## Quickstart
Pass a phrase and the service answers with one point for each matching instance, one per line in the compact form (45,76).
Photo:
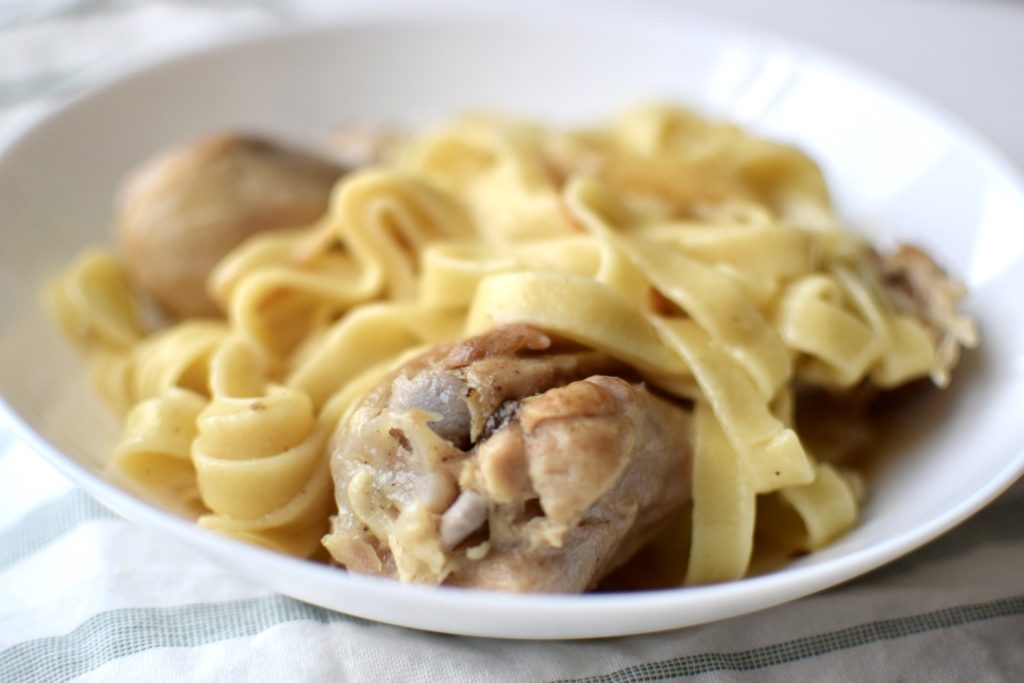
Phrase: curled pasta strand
(578,308)
(154,450)
(278,287)
(452,270)
(690,161)
(260,456)
(302,249)
(908,351)
(912,353)
(276,309)
(709,296)
(95,304)
(827,506)
(176,357)
(386,218)
(498,169)
(813,319)
(772,453)
(765,251)
(289,288)
(364,338)
(724,508)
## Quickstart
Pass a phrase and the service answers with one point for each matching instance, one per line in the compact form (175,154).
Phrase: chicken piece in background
(183,210)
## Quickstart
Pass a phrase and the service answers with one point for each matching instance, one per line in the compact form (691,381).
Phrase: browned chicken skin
(186,208)
(510,461)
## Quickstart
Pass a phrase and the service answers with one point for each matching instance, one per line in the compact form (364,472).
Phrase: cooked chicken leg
(510,461)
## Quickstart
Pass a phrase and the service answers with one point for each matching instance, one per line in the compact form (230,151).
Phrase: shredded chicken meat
(921,288)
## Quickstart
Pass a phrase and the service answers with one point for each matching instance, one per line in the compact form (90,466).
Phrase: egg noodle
(706,258)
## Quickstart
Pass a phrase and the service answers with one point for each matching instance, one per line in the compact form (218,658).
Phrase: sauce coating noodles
(706,258)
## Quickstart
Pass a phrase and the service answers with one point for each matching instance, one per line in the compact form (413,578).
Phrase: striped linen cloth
(86,596)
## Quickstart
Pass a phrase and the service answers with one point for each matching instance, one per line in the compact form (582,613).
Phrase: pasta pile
(706,258)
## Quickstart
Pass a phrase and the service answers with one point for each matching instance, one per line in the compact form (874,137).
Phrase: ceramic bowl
(900,170)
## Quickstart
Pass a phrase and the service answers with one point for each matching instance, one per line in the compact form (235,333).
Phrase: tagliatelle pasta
(705,258)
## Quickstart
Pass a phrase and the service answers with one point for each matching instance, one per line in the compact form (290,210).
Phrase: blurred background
(967,55)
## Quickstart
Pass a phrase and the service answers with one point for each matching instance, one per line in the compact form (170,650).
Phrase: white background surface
(967,55)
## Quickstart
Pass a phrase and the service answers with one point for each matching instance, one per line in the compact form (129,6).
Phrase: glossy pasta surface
(707,259)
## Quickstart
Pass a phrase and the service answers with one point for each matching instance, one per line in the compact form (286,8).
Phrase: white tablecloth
(85,595)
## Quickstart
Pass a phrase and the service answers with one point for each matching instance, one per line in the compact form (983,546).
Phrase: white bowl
(899,168)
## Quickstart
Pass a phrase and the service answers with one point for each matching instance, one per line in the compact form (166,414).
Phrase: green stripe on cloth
(17,15)
(811,646)
(45,524)
(118,633)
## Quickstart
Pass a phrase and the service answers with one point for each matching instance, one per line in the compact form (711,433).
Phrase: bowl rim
(764,590)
